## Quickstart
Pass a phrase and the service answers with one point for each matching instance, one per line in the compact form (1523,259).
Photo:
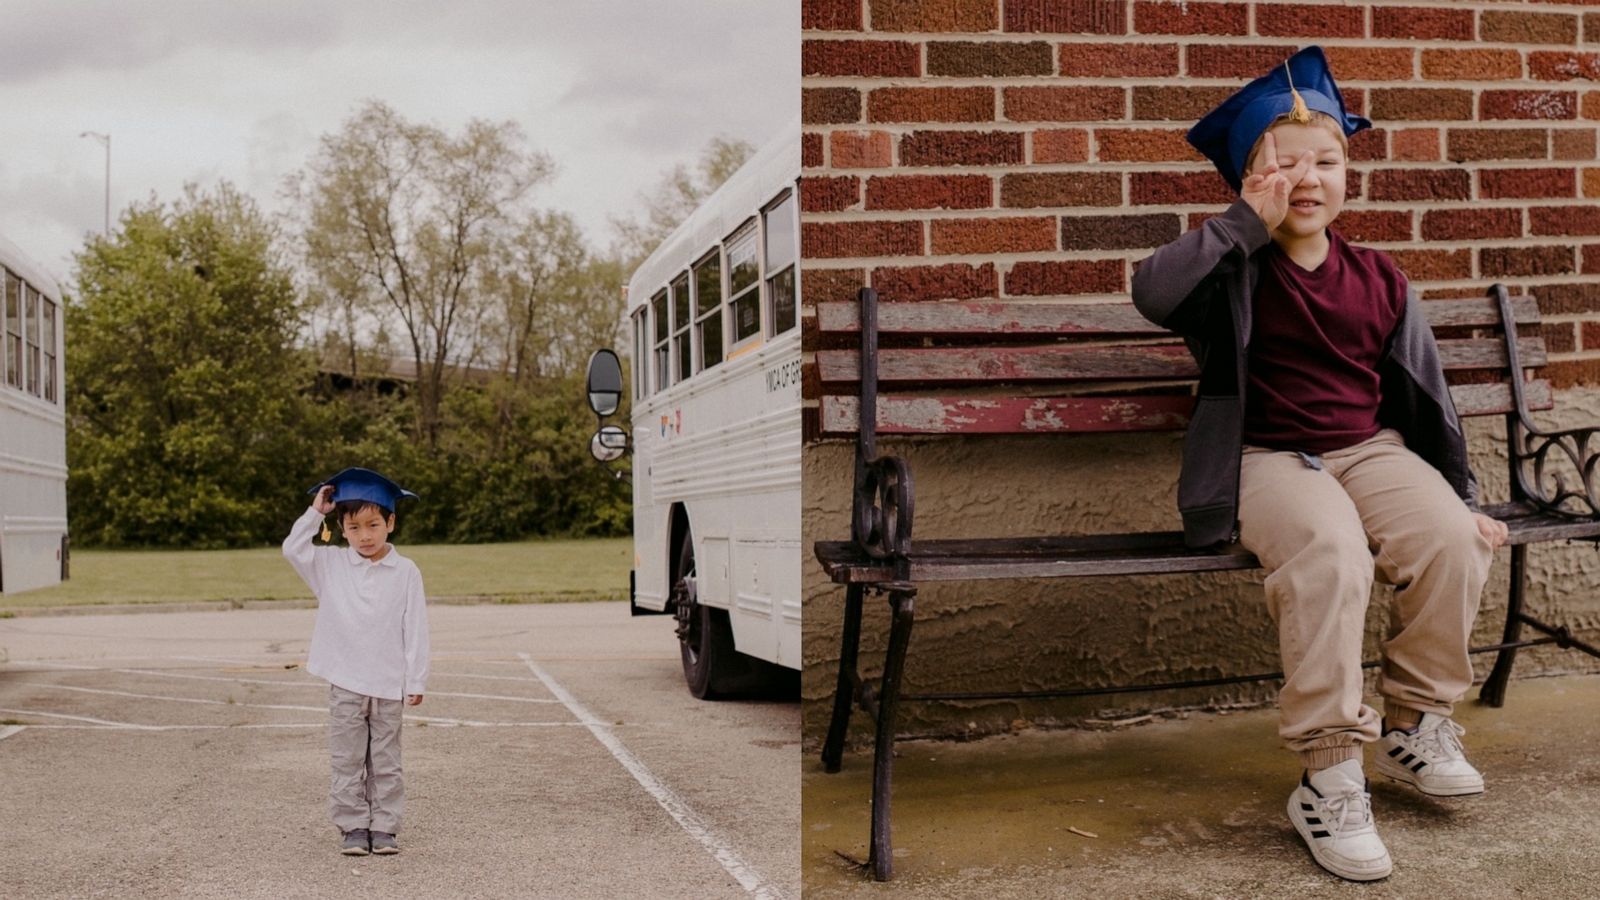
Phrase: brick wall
(965,149)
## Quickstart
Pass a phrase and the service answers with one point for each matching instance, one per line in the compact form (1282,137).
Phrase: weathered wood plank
(1074,362)
(1489,399)
(1057,317)
(1010,415)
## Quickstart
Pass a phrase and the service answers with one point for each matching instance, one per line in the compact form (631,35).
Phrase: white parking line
(51,715)
(8,730)
(431,720)
(132,727)
(319,684)
(687,819)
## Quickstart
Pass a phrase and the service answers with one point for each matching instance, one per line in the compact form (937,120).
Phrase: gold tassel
(1299,113)
(327,533)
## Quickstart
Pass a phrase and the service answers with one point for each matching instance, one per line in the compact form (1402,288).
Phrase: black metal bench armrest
(880,521)
(1544,461)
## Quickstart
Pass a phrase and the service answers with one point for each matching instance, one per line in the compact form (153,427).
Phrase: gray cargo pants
(364,742)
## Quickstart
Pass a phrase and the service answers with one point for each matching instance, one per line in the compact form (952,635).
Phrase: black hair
(347,508)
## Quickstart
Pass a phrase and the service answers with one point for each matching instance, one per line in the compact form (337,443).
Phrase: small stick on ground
(1087,834)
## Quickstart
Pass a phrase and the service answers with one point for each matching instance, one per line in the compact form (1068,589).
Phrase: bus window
(31,329)
(680,326)
(641,353)
(708,309)
(658,309)
(49,347)
(781,248)
(744,283)
(13,330)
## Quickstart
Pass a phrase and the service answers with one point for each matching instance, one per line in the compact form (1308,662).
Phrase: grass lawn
(530,571)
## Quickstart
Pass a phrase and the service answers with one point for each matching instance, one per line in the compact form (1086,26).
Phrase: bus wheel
(705,636)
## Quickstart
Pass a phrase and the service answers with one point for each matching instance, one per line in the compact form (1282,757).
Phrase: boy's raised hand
(1267,191)
(323,501)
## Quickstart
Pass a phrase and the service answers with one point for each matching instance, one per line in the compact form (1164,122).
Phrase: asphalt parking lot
(557,754)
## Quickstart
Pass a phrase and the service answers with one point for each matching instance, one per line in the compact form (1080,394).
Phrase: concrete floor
(1194,807)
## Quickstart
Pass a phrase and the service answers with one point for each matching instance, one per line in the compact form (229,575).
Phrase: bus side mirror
(608,443)
(605,383)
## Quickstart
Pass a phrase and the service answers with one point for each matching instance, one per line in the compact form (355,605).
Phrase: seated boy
(370,643)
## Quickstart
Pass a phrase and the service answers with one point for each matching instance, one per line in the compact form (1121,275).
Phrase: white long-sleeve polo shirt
(371,635)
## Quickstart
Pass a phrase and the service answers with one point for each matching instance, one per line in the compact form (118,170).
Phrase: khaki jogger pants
(364,742)
(1322,534)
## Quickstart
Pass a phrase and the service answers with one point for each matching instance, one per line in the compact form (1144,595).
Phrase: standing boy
(370,644)
(1325,441)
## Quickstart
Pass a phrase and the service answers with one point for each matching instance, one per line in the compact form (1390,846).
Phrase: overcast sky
(615,91)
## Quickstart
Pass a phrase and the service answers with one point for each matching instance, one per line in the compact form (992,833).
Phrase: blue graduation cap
(366,485)
(1302,83)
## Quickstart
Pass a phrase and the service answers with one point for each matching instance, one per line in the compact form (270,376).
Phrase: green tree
(187,420)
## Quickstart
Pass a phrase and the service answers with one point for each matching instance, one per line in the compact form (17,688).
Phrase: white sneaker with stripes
(1332,811)
(1430,758)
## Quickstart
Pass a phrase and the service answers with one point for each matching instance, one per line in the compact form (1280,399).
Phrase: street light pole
(104,139)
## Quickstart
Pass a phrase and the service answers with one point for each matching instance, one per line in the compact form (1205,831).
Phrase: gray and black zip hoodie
(1201,286)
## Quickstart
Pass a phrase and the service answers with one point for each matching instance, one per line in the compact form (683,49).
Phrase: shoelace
(1443,741)
(1341,808)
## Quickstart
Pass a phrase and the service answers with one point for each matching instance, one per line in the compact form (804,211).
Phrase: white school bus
(713,316)
(33,443)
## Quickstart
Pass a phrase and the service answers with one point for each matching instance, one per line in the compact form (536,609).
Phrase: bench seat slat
(1114,554)
(1059,317)
(1068,415)
(1068,362)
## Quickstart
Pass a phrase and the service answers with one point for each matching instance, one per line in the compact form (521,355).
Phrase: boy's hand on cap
(323,501)
(1267,191)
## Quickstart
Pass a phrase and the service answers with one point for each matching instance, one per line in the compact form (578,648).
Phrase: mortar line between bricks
(687,819)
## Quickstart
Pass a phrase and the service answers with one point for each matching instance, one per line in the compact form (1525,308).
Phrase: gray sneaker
(355,843)
(383,842)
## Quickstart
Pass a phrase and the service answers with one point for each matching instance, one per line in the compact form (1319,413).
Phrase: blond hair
(1300,115)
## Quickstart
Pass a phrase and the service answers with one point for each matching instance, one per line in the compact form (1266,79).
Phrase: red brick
(1118,60)
(1065,104)
(931,104)
(1591,259)
(1299,20)
(1504,27)
(1423,104)
(1415,145)
(1591,104)
(990,59)
(1591,28)
(1369,146)
(1433,265)
(880,59)
(1528,105)
(811,150)
(1591,183)
(829,194)
(1032,278)
(1475,144)
(830,15)
(1181,104)
(1591,335)
(1144,145)
(1470,224)
(1576,144)
(1375,225)
(1164,188)
(1121,232)
(1501,184)
(1524,262)
(1067,16)
(955,281)
(1371,63)
(930,192)
(1244,61)
(1564,220)
(1572,373)
(1471,65)
(1550,65)
(1018,235)
(1166,17)
(1559,337)
(829,285)
(1420,184)
(830,106)
(831,240)
(1568,299)
(861,149)
(1068,145)
(935,15)
(961,148)
(1032,190)
(1422,23)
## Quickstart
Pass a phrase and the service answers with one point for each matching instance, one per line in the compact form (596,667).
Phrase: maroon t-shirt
(1314,347)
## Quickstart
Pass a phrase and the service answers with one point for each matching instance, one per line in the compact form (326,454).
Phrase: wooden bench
(931,368)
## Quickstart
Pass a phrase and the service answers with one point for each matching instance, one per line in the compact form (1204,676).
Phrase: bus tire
(711,666)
